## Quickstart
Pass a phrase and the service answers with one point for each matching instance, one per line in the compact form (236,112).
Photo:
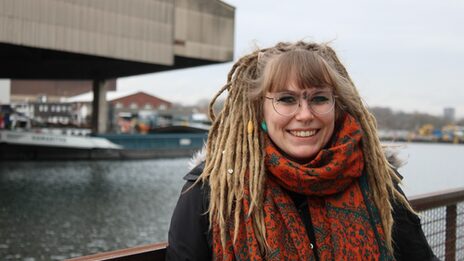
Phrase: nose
(304,112)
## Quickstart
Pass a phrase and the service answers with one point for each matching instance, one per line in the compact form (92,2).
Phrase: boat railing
(442,216)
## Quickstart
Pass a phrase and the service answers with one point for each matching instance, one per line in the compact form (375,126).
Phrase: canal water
(57,210)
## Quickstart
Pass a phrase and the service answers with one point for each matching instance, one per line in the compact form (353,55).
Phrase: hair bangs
(301,68)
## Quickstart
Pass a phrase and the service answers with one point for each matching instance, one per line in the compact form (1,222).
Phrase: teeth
(303,133)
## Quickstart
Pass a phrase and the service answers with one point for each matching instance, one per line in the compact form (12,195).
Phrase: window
(147,106)
(134,105)
(118,105)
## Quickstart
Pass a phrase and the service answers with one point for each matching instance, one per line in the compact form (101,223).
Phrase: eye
(320,98)
(287,99)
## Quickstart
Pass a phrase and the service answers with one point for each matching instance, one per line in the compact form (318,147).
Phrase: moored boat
(26,145)
(167,142)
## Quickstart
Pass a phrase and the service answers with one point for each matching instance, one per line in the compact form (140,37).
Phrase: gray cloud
(408,55)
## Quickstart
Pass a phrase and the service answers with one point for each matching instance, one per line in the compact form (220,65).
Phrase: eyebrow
(305,91)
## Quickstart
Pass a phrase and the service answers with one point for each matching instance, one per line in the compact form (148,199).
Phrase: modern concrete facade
(107,39)
(87,39)
(204,30)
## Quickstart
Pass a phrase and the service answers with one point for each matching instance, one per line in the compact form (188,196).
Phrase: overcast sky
(407,55)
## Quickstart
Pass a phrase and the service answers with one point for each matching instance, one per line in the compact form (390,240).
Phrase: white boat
(52,144)
(26,145)
(54,140)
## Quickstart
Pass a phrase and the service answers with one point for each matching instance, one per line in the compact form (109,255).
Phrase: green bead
(264,126)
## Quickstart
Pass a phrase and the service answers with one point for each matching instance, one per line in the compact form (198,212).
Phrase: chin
(303,157)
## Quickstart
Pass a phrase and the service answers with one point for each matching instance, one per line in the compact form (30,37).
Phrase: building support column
(5,91)
(99,107)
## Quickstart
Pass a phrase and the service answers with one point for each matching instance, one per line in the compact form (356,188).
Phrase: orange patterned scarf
(344,218)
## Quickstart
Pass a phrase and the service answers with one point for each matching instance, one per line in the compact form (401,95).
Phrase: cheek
(275,122)
(267,111)
(330,127)
(270,116)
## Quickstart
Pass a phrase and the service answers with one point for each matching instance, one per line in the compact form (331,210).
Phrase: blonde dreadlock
(235,143)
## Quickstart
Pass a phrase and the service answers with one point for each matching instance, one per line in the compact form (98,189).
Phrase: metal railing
(442,215)
(141,253)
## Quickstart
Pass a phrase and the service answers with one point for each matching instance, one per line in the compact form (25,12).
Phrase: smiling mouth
(303,134)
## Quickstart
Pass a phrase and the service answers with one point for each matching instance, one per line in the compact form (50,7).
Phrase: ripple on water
(69,209)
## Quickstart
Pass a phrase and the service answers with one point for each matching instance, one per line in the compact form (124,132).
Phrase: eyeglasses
(287,103)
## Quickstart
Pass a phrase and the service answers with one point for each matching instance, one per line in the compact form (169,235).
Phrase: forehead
(298,81)
(298,89)
(296,71)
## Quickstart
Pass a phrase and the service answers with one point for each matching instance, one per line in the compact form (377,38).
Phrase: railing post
(450,245)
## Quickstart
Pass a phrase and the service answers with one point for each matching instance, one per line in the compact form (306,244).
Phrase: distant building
(138,112)
(54,113)
(139,101)
(44,101)
(48,113)
(449,114)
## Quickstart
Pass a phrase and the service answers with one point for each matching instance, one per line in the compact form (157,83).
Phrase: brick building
(139,101)
(137,112)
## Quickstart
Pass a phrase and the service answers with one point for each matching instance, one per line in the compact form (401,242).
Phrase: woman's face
(301,135)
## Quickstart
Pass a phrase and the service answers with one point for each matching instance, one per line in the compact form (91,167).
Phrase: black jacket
(190,239)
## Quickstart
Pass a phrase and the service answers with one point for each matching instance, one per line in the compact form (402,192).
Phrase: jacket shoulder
(195,172)
(189,236)
(409,240)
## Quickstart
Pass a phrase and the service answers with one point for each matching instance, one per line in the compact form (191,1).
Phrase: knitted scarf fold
(345,220)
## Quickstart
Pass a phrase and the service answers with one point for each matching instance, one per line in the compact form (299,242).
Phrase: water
(432,167)
(57,210)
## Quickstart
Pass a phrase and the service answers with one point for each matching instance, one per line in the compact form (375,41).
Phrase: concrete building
(107,39)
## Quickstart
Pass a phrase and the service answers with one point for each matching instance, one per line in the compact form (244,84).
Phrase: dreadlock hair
(236,145)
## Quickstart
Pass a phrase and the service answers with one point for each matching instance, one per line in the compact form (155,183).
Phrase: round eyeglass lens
(288,104)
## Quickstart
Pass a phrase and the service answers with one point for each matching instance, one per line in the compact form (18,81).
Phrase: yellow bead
(250,127)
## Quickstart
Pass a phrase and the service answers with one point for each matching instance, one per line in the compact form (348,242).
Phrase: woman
(294,170)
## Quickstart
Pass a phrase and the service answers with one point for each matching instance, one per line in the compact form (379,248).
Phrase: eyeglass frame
(273,100)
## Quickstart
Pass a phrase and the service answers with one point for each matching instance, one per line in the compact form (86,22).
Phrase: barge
(168,142)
